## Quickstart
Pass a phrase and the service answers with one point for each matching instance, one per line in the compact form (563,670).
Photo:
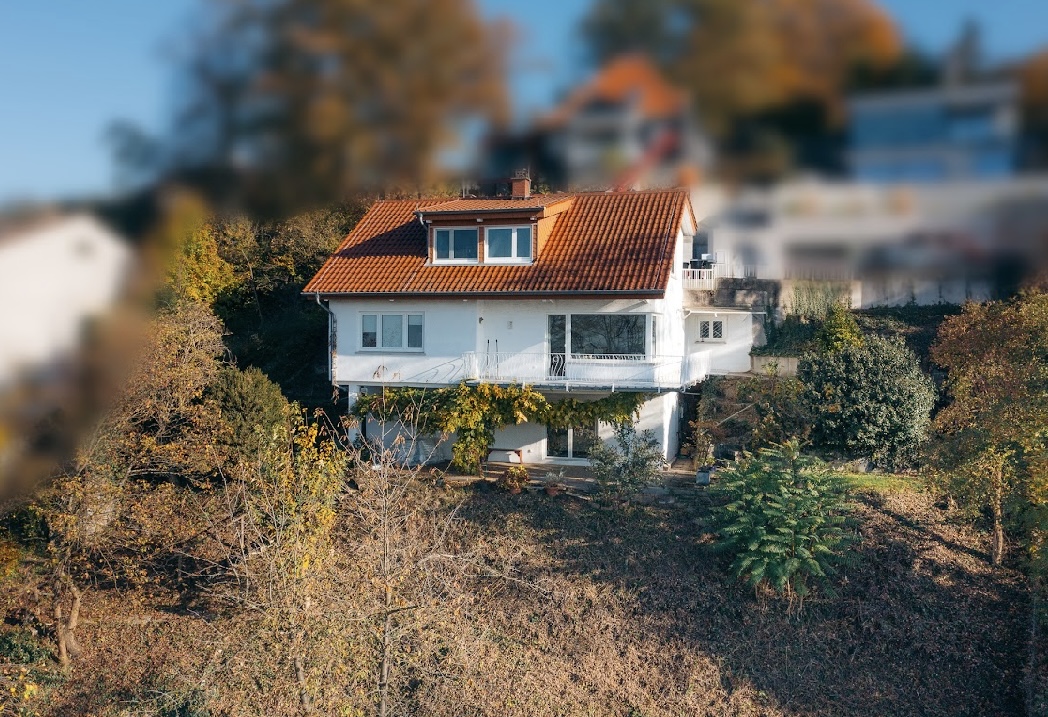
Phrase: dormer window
(507,245)
(456,245)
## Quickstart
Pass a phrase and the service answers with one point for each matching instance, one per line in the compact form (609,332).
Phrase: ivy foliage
(785,521)
(475,412)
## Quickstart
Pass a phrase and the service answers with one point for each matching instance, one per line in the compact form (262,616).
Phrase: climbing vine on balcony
(476,412)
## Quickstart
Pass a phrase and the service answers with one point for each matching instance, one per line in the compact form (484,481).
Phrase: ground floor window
(574,442)
(711,330)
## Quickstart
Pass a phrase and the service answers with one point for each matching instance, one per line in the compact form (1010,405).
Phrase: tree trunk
(997,547)
(303,693)
(65,628)
(383,678)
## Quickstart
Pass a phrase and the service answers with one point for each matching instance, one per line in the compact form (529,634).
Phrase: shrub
(784,522)
(839,331)
(779,405)
(868,401)
(635,462)
(515,478)
(22,647)
(248,400)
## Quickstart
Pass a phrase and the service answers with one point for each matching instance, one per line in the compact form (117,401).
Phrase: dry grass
(612,611)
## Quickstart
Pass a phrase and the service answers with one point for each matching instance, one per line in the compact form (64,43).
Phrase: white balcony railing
(613,371)
(706,279)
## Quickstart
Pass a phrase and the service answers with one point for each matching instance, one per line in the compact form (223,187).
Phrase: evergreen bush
(784,522)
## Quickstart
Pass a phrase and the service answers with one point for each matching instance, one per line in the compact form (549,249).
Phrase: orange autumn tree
(991,438)
(743,58)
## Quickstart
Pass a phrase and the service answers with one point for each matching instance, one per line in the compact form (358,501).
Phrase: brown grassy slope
(622,612)
(641,621)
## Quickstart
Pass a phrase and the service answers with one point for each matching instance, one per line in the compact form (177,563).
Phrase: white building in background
(892,244)
(576,295)
(57,273)
(966,128)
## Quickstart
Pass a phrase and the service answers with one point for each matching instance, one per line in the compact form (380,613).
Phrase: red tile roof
(603,243)
(626,76)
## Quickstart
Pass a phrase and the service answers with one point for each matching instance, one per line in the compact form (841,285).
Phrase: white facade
(54,278)
(445,342)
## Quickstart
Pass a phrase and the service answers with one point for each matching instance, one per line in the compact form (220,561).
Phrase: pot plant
(514,479)
(553,483)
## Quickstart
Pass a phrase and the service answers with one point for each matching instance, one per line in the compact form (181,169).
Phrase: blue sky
(70,67)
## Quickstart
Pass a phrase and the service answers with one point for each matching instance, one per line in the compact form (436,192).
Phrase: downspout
(332,325)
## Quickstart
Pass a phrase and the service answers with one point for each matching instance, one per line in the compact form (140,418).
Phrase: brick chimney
(520,187)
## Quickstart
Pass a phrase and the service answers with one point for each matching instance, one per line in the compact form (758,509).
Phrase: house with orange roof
(577,294)
(626,128)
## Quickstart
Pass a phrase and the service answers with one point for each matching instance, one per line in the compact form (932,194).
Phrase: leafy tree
(869,400)
(186,236)
(785,521)
(991,438)
(633,463)
(741,59)
(298,102)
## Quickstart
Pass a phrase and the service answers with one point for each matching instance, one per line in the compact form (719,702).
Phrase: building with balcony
(573,294)
(966,127)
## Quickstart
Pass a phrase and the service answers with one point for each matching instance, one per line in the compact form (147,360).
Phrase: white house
(56,274)
(573,294)
(892,244)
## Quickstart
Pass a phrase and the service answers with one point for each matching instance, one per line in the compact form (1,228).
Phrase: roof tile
(620,243)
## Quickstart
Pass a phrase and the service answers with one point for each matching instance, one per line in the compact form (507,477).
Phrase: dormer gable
(490,231)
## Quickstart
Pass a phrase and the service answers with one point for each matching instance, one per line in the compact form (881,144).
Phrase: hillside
(584,609)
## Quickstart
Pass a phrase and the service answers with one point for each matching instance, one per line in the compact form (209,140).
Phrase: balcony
(706,279)
(632,371)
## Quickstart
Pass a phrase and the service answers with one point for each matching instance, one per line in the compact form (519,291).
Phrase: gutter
(649,294)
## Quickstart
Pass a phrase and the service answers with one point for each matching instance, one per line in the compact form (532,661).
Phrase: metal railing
(604,370)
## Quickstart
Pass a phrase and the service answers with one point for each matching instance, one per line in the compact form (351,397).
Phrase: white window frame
(650,339)
(515,258)
(711,338)
(451,245)
(571,444)
(379,348)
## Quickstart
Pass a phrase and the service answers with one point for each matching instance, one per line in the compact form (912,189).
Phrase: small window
(393,332)
(711,330)
(455,245)
(507,244)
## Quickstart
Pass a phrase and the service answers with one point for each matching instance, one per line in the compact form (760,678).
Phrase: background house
(625,128)
(57,273)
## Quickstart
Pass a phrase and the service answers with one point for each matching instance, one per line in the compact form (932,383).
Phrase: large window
(392,332)
(459,245)
(574,442)
(607,334)
(507,245)
(586,336)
